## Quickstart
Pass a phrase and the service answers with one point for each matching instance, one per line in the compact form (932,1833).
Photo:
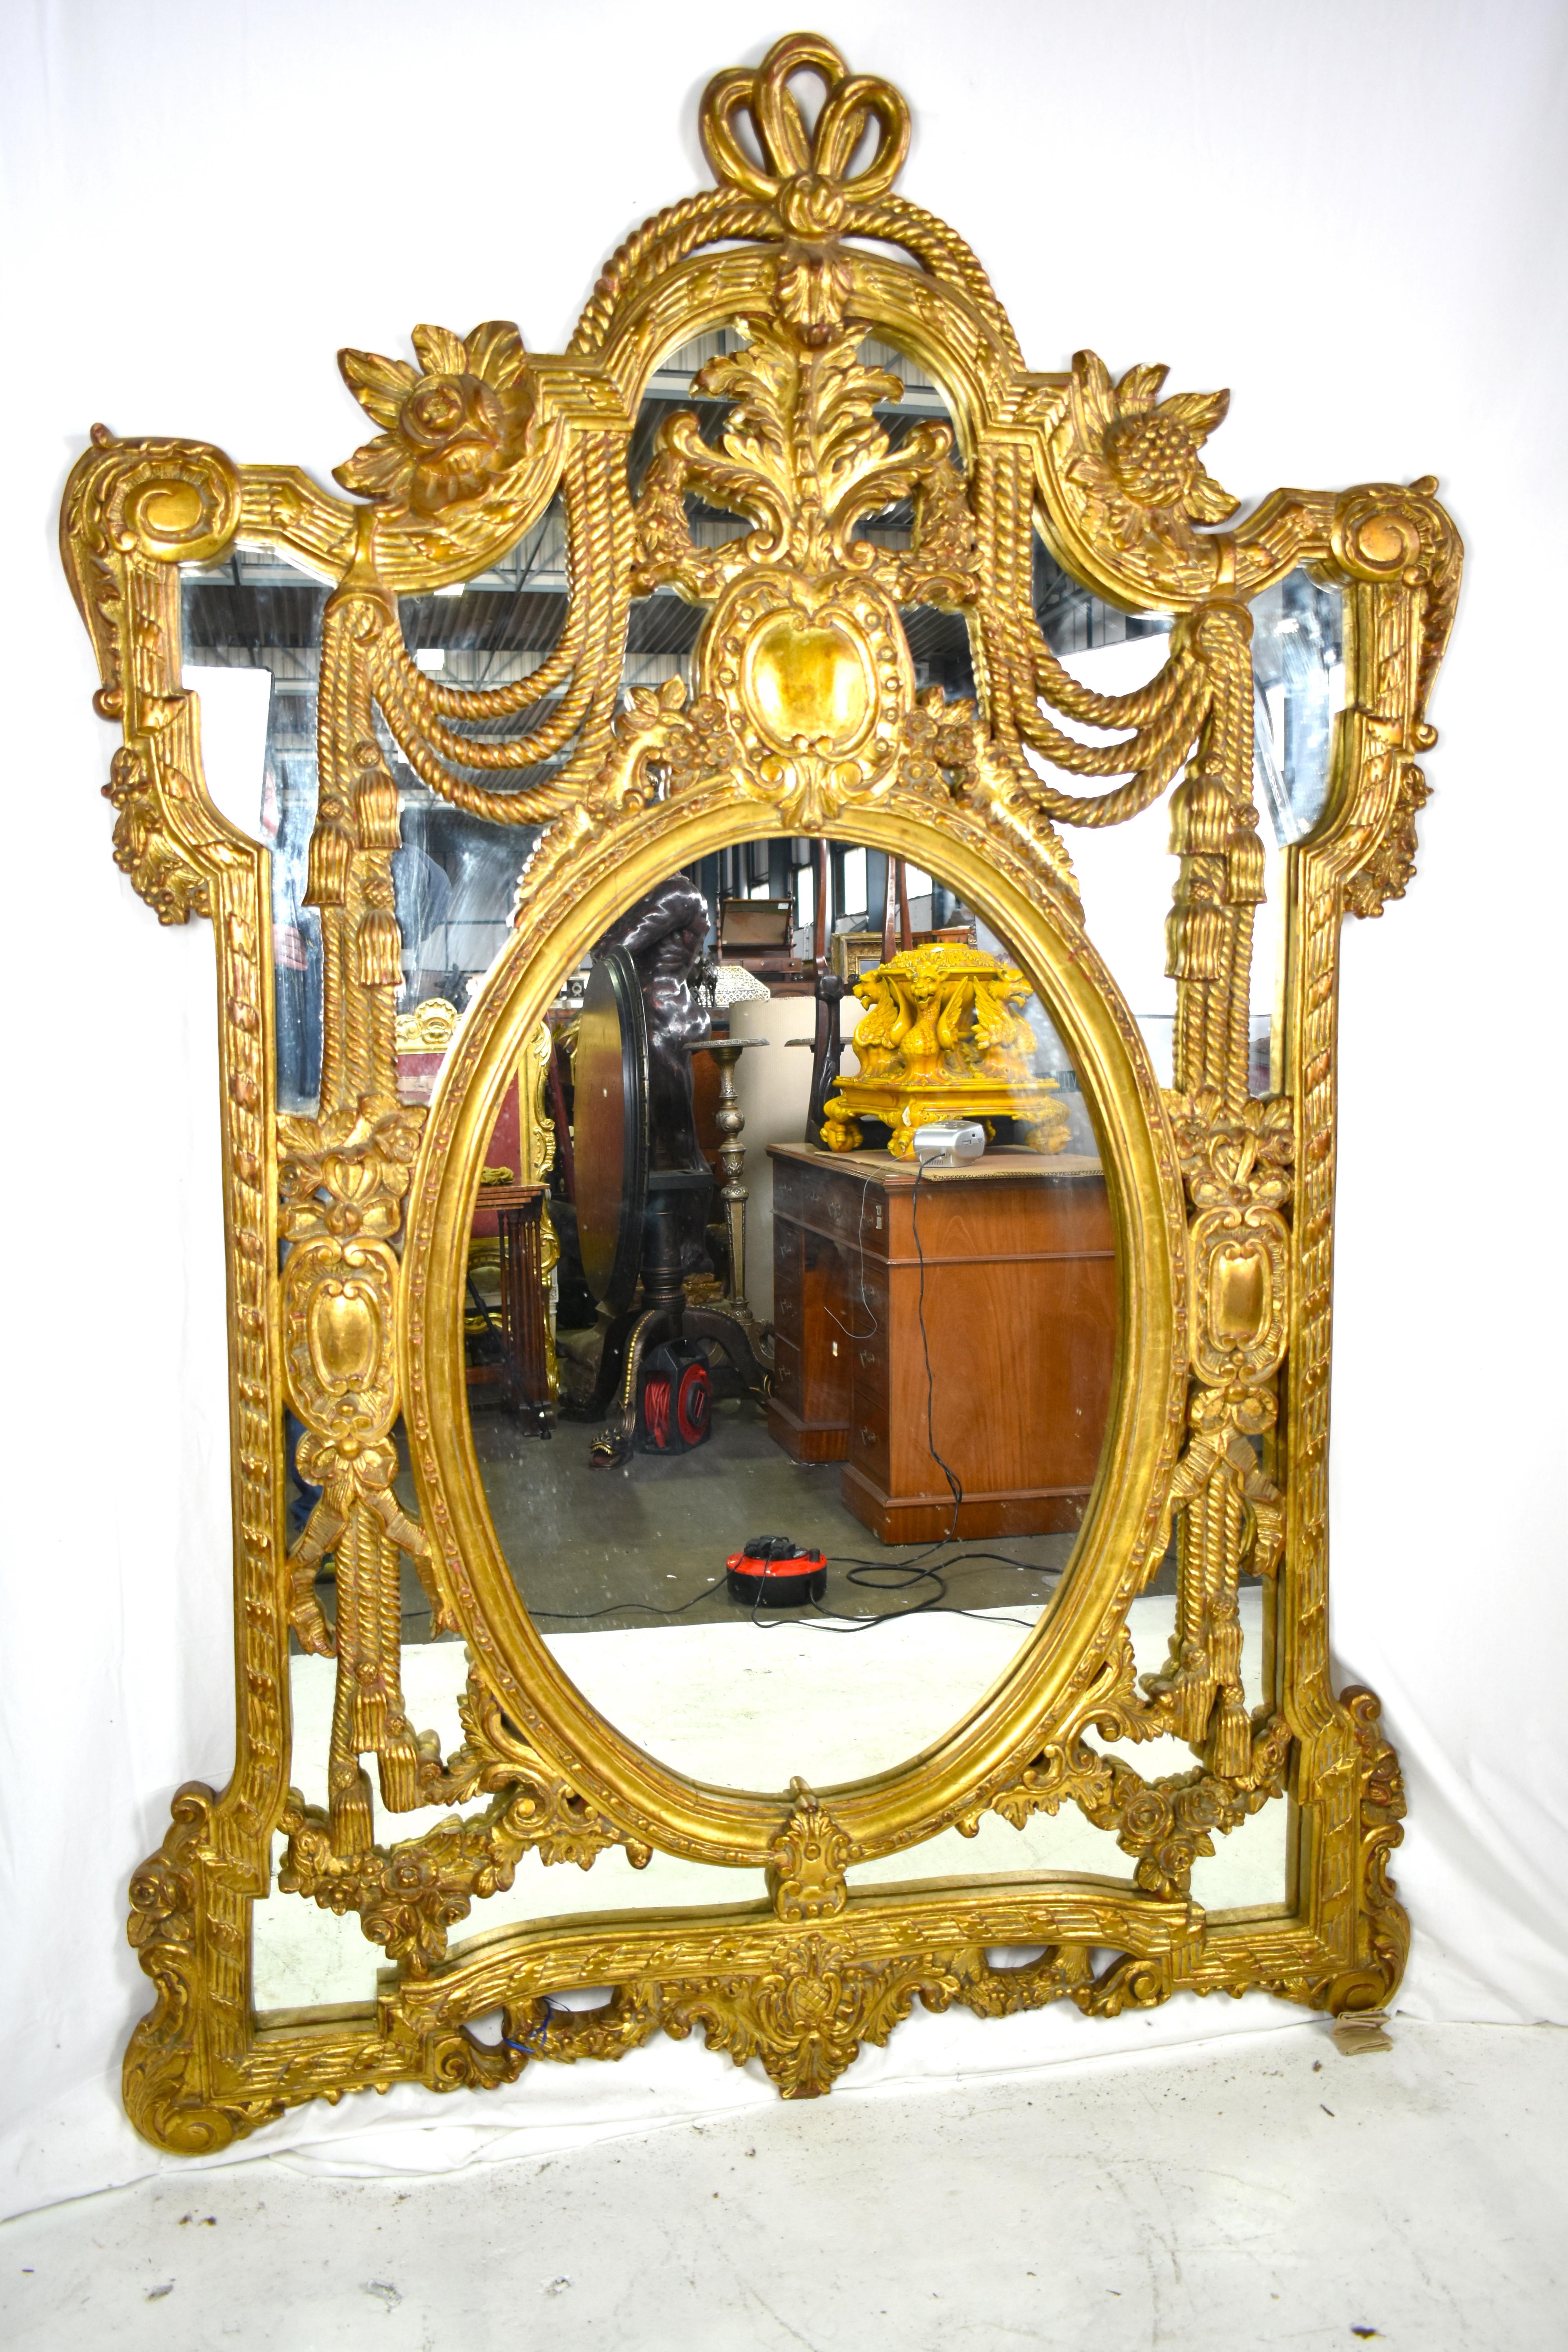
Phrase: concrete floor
(1256,2193)
(659,1530)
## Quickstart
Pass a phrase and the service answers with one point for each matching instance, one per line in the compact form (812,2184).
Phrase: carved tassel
(1244,881)
(1230,1754)
(378,951)
(1197,939)
(327,879)
(375,806)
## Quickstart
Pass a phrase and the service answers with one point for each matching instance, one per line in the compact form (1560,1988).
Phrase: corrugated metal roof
(254,617)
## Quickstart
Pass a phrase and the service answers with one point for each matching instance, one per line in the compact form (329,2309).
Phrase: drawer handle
(868,1436)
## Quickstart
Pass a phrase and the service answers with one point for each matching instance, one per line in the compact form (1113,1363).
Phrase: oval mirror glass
(791,1315)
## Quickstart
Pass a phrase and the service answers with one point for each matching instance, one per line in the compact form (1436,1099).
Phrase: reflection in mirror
(257,616)
(455,873)
(302,1955)
(817,1380)
(1127,873)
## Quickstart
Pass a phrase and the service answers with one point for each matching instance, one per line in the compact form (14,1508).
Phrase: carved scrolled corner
(164,501)
(132,510)
(140,505)
(166,2079)
(1397,550)
(1136,1980)
(1363,1928)
(1399,536)
(1383,1925)
(450,2058)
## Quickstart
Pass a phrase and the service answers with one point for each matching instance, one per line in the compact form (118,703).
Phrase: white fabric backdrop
(1350,213)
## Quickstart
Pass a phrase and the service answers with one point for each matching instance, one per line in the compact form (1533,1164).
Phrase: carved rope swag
(471,443)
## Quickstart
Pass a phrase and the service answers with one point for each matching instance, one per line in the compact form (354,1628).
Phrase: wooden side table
(1020,1321)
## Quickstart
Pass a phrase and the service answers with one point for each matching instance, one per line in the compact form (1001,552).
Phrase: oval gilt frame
(1123,1529)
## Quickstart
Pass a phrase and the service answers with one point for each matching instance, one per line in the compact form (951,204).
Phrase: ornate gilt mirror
(777,882)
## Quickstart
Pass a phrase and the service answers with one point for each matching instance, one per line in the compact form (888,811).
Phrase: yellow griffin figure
(940,1040)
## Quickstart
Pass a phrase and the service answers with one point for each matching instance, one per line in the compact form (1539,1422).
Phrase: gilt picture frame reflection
(778,1032)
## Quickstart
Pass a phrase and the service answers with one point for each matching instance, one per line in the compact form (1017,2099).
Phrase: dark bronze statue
(664,935)
(645,1191)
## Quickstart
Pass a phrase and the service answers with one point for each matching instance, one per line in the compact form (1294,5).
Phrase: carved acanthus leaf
(805,457)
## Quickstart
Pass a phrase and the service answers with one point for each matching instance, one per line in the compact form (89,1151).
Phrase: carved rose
(162,1900)
(410,1873)
(1146,1817)
(1137,464)
(1203,1808)
(449,432)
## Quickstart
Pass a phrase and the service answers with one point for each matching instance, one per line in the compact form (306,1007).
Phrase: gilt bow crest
(803,175)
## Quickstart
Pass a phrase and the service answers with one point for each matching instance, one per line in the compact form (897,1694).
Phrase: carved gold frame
(1224,1203)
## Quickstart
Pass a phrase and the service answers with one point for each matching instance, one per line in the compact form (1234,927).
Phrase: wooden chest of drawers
(1018,1324)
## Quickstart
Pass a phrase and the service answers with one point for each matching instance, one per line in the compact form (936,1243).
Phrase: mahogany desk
(1020,1318)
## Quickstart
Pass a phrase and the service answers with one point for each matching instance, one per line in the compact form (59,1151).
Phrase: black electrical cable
(649,1608)
(938,1605)
(860,1250)
(860,1571)
(911,1570)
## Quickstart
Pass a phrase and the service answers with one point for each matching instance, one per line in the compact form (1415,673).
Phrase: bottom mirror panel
(303,1956)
